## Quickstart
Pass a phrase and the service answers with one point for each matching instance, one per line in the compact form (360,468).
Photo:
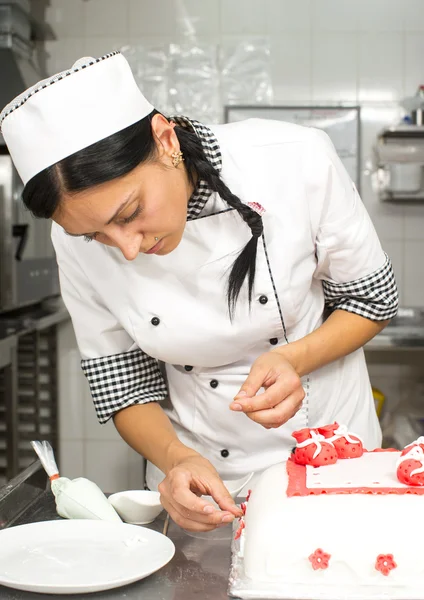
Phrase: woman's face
(130,212)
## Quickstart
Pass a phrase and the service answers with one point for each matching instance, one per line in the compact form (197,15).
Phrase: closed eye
(133,216)
(89,237)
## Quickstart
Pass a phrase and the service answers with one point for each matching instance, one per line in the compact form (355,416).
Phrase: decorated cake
(334,521)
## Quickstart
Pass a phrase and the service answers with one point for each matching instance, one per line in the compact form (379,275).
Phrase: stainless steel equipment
(28,385)
(399,163)
(8,399)
(18,65)
(399,155)
(28,271)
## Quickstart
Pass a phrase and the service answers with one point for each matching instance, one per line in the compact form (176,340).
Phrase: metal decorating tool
(166,525)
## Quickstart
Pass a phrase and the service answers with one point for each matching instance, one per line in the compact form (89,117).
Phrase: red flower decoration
(319,559)
(240,529)
(385,563)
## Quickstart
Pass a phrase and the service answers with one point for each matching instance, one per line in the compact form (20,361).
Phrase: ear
(165,136)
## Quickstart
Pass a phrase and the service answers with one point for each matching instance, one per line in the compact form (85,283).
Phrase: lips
(155,248)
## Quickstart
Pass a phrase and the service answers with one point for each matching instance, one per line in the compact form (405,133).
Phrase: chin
(166,250)
(169,247)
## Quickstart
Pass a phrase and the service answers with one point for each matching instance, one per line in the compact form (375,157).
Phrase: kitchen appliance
(399,163)
(398,155)
(28,271)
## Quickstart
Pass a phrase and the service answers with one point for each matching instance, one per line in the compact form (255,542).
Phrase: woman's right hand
(182,487)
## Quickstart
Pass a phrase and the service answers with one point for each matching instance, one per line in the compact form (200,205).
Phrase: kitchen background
(195,56)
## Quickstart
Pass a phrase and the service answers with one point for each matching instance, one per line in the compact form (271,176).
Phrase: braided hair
(198,166)
(119,154)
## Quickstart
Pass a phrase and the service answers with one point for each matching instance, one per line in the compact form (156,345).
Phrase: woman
(232,278)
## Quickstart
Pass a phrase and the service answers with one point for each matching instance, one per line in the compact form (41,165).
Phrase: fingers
(181,491)
(280,414)
(187,503)
(286,384)
(276,375)
(255,380)
(224,500)
(195,513)
(190,521)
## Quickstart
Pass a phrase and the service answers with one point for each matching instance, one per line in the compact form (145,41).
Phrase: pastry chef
(231,278)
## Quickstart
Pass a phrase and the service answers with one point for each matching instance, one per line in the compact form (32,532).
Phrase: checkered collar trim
(210,145)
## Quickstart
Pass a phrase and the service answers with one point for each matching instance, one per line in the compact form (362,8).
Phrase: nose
(130,252)
(128,243)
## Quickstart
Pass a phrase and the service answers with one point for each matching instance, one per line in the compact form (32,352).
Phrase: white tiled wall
(365,51)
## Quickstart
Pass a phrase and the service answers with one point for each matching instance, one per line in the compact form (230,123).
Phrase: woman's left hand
(283,393)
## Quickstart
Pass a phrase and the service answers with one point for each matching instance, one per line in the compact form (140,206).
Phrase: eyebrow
(121,207)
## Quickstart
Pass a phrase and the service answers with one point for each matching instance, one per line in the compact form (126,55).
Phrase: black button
(214,383)
(188,368)
(155,321)
(225,453)
(263,299)
(273,341)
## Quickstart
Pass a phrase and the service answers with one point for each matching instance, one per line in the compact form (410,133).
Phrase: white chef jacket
(174,307)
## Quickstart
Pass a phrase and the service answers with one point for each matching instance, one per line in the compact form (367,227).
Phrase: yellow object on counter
(379,399)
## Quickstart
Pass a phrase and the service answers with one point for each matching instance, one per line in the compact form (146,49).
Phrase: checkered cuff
(374,297)
(122,380)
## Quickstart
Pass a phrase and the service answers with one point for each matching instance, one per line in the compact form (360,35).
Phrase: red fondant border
(297,484)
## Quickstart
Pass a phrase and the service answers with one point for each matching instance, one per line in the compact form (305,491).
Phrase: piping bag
(75,498)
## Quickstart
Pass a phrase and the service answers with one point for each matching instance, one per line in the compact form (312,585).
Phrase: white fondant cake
(348,530)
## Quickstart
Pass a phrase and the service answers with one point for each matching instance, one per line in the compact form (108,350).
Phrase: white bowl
(137,507)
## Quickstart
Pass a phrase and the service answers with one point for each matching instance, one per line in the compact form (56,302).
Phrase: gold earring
(177,158)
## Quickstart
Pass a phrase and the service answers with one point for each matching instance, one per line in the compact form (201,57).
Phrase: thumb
(224,500)
(253,383)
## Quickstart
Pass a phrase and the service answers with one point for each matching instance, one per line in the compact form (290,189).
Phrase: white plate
(78,556)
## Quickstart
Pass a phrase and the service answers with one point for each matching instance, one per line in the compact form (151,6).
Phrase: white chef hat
(70,111)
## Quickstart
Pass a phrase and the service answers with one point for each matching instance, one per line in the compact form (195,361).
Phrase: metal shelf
(28,397)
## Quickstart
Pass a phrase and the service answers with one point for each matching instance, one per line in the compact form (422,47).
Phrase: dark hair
(122,152)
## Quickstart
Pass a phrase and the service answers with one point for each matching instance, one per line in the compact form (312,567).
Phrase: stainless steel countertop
(199,569)
(400,338)
(405,333)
